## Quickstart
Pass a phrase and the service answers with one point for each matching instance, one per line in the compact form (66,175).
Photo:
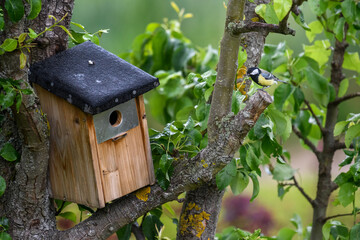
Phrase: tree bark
(208,197)
(325,184)
(26,201)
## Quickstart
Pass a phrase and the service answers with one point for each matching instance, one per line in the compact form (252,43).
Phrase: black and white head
(253,71)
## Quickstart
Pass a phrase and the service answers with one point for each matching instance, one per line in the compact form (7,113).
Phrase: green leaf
(343,178)
(124,232)
(302,123)
(68,215)
(252,159)
(349,10)
(15,9)
(299,98)
(285,234)
(318,6)
(2,23)
(315,28)
(256,186)
(346,161)
(208,93)
(281,94)
(351,133)
(2,186)
(8,152)
(344,85)
(242,56)
(18,102)
(224,177)
(355,232)
(296,221)
(346,194)
(9,45)
(150,227)
(317,82)
(32,34)
(351,61)
(181,55)
(162,180)
(5,236)
(282,7)
(159,41)
(239,182)
(339,127)
(283,172)
(339,29)
(327,226)
(267,12)
(22,59)
(299,19)
(22,37)
(320,51)
(35,8)
(282,123)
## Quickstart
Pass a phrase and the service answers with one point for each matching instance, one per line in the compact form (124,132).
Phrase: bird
(262,77)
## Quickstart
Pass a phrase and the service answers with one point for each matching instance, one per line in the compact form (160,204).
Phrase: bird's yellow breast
(264,82)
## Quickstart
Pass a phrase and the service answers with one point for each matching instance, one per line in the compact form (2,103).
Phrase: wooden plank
(123,164)
(145,136)
(71,166)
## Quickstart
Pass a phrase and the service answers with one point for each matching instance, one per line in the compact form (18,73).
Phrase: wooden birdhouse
(99,143)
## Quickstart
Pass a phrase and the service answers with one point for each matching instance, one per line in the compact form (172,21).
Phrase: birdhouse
(99,143)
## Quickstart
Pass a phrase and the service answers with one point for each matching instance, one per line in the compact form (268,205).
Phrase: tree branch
(249,26)
(314,116)
(188,174)
(306,141)
(337,101)
(302,191)
(227,67)
(339,215)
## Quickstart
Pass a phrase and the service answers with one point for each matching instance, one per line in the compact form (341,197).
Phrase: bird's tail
(278,80)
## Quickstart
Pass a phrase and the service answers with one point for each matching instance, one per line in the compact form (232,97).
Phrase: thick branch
(227,67)
(188,174)
(337,101)
(249,26)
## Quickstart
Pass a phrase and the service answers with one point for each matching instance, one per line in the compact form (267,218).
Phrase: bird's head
(253,71)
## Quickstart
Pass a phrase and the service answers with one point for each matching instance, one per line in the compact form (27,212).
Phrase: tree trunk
(208,197)
(325,185)
(26,201)
(200,212)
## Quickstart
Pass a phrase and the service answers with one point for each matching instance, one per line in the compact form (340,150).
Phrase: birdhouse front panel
(99,143)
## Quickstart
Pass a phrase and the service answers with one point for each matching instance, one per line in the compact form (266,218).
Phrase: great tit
(262,77)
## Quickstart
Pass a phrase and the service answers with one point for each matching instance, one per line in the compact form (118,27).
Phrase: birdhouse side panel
(145,136)
(71,167)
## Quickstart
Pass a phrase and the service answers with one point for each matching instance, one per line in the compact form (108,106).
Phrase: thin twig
(339,215)
(344,98)
(302,191)
(314,115)
(306,141)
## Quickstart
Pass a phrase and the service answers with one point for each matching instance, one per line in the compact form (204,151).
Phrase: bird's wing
(267,75)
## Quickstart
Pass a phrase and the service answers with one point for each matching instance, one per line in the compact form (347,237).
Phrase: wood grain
(71,165)
(83,171)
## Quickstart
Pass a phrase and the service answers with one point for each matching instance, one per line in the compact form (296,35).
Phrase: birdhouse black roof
(91,78)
